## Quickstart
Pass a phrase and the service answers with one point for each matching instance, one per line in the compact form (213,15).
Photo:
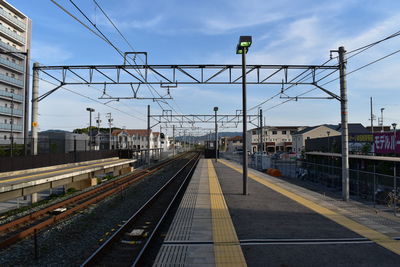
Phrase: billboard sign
(386,142)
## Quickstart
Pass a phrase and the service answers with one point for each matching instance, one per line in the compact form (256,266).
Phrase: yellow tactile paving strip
(375,236)
(227,250)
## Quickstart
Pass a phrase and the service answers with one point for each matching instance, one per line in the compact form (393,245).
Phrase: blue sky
(206,32)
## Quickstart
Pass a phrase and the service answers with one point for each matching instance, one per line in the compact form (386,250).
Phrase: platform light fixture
(242,48)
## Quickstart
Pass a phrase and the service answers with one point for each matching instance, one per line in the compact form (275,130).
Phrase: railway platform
(277,224)
(79,175)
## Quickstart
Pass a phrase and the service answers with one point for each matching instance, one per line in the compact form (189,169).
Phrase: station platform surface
(276,224)
(14,180)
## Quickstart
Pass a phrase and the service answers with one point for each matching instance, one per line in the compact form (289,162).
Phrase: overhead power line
(90,98)
(349,73)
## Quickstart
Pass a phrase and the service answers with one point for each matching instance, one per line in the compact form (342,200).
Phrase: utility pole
(382,109)
(344,117)
(26,102)
(110,120)
(148,134)
(35,109)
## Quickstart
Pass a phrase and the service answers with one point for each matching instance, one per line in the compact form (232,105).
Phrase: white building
(234,144)
(15,36)
(135,139)
(274,138)
(299,138)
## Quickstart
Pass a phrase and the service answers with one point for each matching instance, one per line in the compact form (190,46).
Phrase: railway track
(25,226)
(129,243)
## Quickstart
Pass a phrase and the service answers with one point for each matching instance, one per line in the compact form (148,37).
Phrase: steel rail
(102,250)
(90,197)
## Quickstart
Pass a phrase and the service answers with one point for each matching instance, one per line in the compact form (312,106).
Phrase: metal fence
(379,190)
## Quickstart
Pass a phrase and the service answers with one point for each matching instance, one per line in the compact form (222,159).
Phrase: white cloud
(47,53)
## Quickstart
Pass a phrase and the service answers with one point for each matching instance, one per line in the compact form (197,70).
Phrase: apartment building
(15,36)
(274,138)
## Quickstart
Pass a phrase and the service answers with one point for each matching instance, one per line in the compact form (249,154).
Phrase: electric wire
(349,73)
(90,98)
(133,49)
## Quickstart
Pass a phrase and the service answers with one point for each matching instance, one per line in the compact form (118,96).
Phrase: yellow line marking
(227,250)
(65,170)
(375,236)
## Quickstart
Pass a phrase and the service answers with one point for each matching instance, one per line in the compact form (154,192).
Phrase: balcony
(10,80)
(7,127)
(11,65)
(10,48)
(13,20)
(8,111)
(15,36)
(19,98)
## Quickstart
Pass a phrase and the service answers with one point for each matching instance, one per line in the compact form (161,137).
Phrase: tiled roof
(235,138)
(130,132)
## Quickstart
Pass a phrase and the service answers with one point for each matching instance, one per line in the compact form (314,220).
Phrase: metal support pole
(344,117)
(216,134)
(12,125)
(394,189)
(372,122)
(148,134)
(374,193)
(109,129)
(35,109)
(261,131)
(244,110)
(173,140)
(90,130)
(26,102)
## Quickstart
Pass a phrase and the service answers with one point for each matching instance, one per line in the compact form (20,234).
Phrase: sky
(206,32)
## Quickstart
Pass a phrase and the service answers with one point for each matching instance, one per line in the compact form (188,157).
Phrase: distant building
(274,138)
(300,137)
(360,140)
(53,141)
(15,36)
(234,144)
(135,139)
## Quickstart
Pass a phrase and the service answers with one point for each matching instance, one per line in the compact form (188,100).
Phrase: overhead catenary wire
(349,73)
(121,54)
(133,49)
(103,37)
(90,98)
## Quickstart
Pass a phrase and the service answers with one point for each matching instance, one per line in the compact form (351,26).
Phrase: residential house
(274,138)
(234,144)
(300,137)
(135,139)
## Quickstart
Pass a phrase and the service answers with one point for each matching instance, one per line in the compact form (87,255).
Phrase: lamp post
(216,135)
(242,48)
(90,126)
